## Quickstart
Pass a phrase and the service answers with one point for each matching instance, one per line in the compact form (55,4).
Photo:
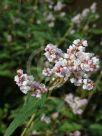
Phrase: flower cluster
(76,64)
(49,17)
(27,84)
(54,10)
(75,103)
(59,6)
(81,16)
(46,119)
(53,53)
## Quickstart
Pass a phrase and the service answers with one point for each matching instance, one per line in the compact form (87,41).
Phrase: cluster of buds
(27,84)
(76,64)
(81,16)
(75,103)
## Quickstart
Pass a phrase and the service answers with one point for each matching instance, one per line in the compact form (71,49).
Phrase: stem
(30,122)
(28,125)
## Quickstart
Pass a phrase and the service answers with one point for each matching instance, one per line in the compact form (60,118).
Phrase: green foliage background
(22,41)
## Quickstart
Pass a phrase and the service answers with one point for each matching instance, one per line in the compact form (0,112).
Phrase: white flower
(69,98)
(62,14)
(72,80)
(84,42)
(47,72)
(65,55)
(27,84)
(76,19)
(16,79)
(88,84)
(38,22)
(79,18)
(81,48)
(55,115)
(75,63)
(51,24)
(85,12)
(52,53)
(50,17)
(75,103)
(86,67)
(62,62)
(95,60)
(76,41)
(37,93)
(72,31)
(93,7)
(25,89)
(58,6)
(50,6)
(85,81)
(45,119)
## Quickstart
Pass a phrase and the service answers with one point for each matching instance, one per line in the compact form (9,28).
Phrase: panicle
(81,16)
(75,103)
(27,84)
(76,64)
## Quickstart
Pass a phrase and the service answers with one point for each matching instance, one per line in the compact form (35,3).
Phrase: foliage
(24,32)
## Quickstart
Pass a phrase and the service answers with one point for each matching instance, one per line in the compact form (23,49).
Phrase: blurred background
(26,26)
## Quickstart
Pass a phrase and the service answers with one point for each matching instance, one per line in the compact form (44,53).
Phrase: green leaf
(96,129)
(96,31)
(69,126)
(28,109)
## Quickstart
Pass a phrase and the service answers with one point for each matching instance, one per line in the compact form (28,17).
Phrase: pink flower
(76,64)
(27,84)
(75,103)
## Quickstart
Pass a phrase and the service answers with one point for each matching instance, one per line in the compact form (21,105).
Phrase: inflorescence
(76,103)
(82,16)
(27,83)
(75,65)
